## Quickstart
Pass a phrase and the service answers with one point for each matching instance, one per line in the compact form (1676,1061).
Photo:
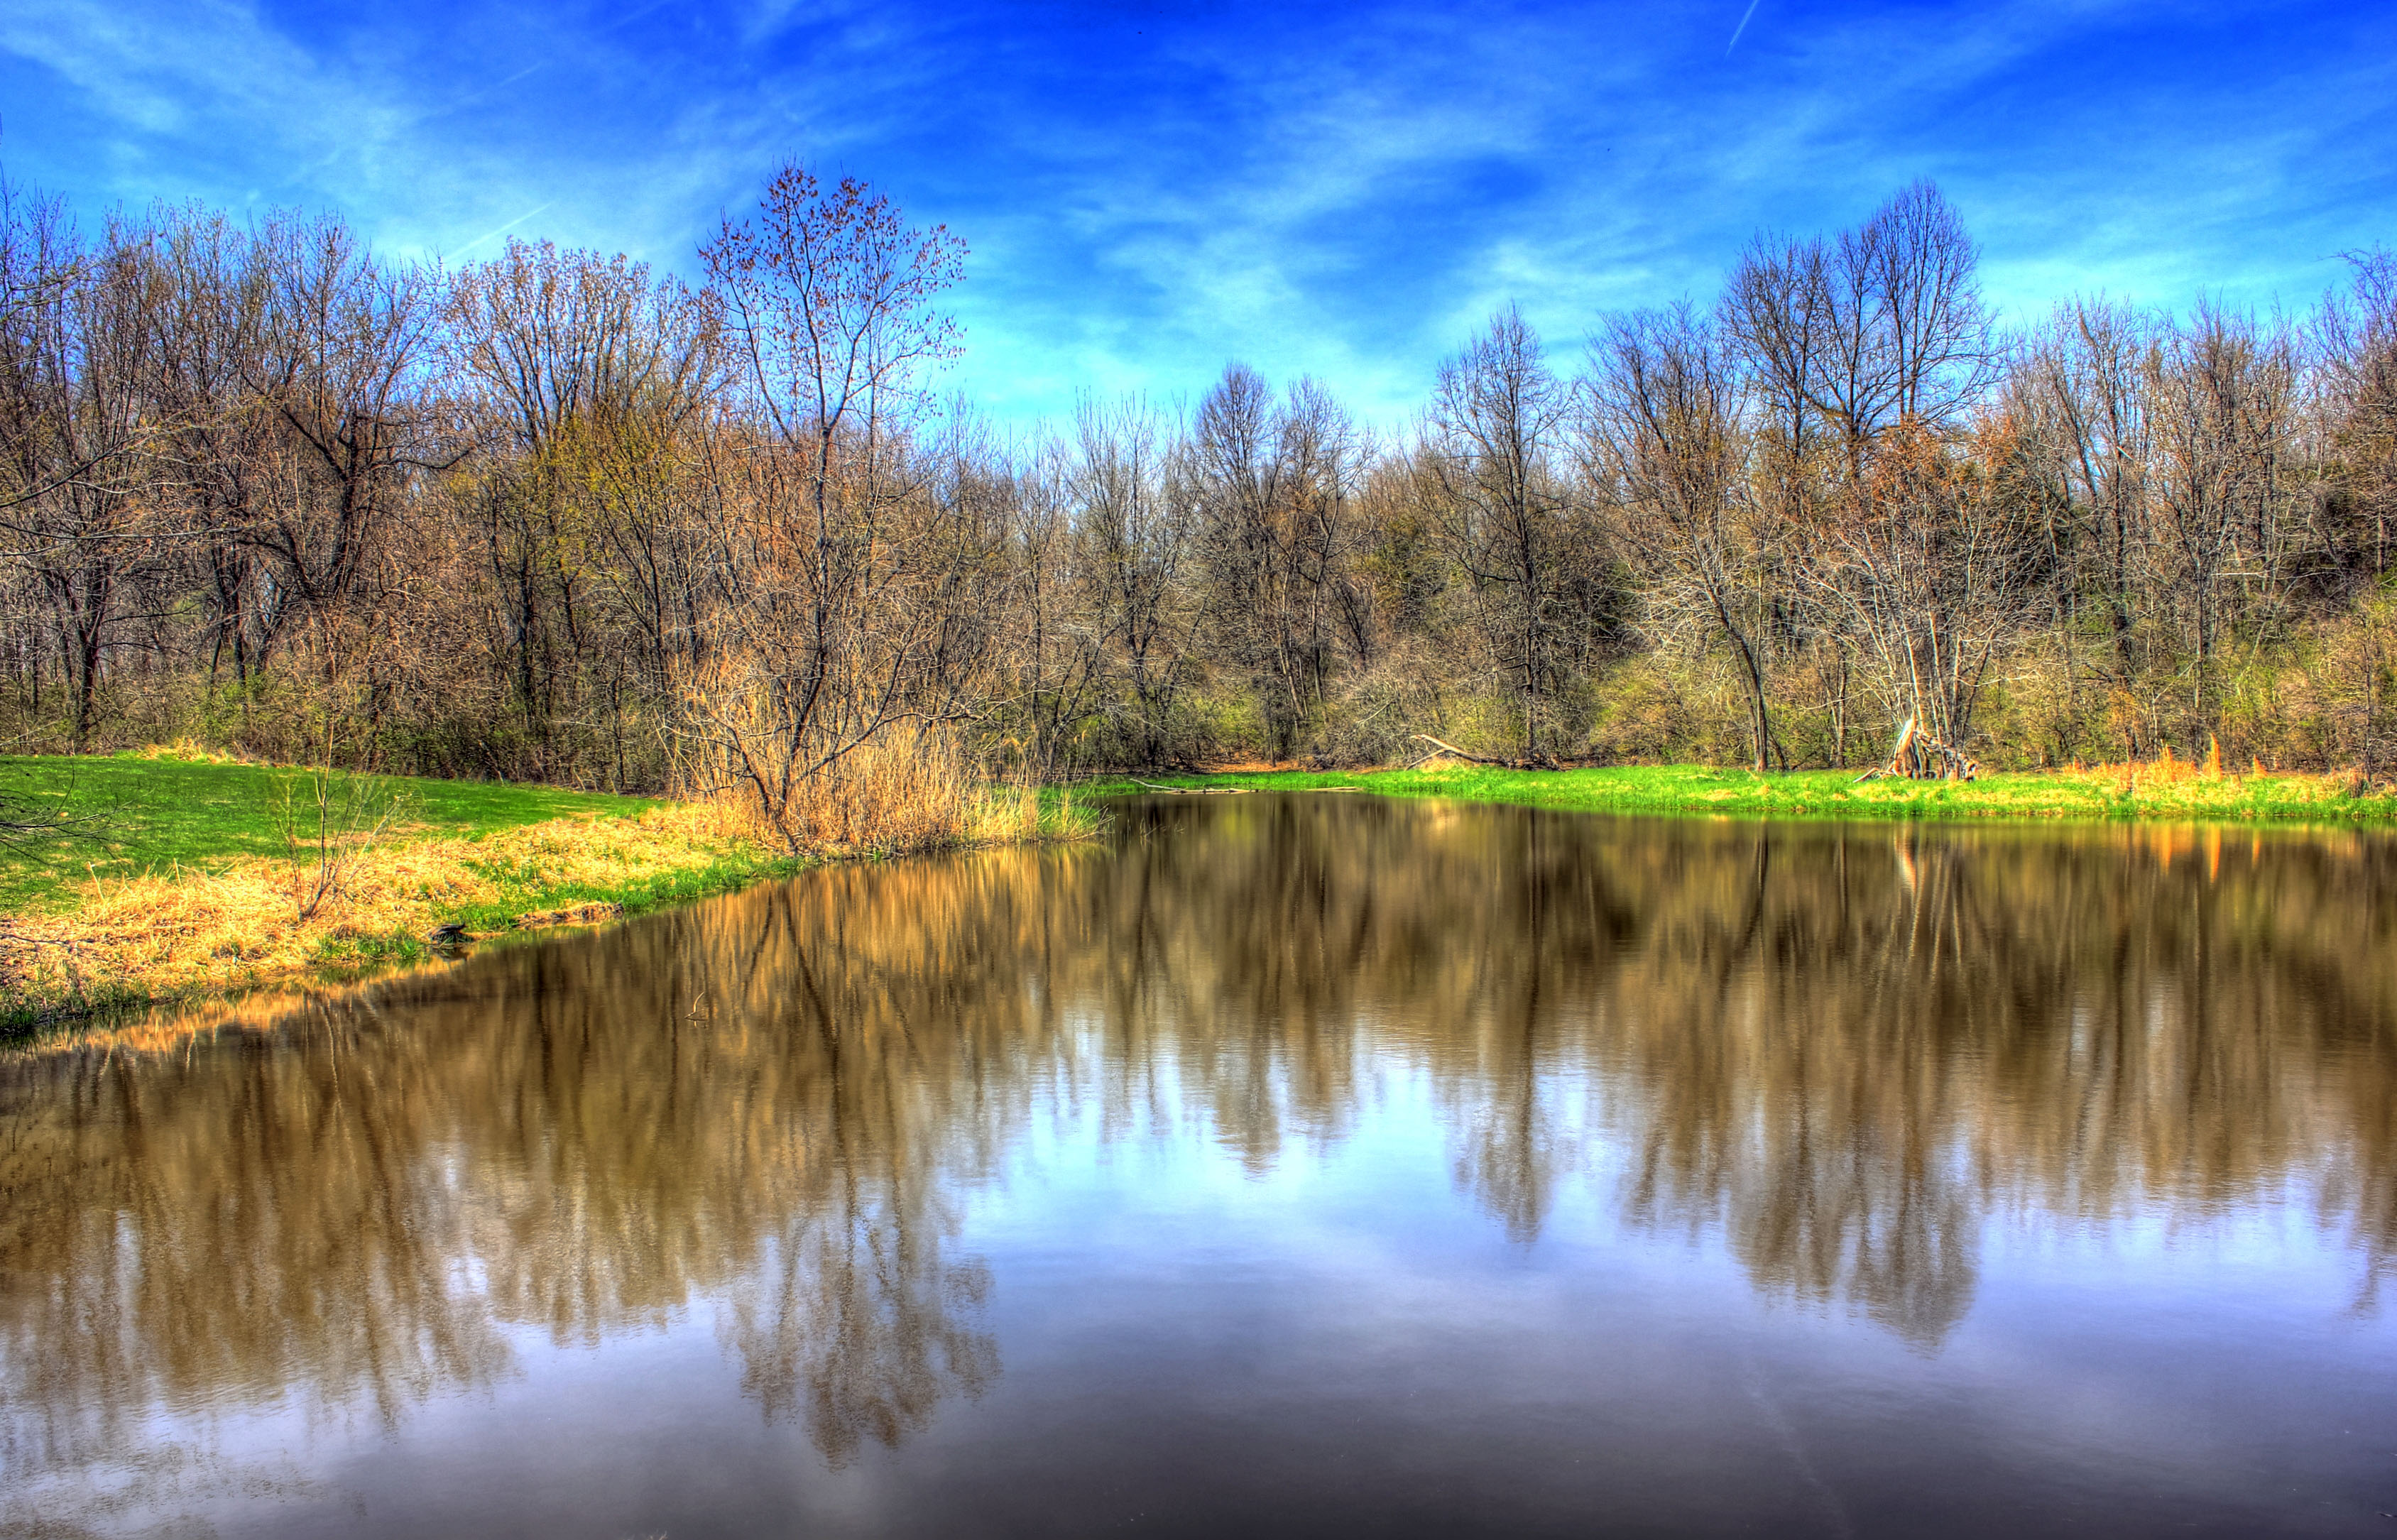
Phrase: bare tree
(1933,566)
(79,358)
(1497,419)
(838,619)
(1274,483)
(594,384)
(1059,660)
(1879,324)
(2357,344)
(1664,441)
(344,336)
(2088,375)
(1874,335)
(1138,513)
(222,455)
(2220,398)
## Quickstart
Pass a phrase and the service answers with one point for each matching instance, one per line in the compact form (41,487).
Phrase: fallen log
(1193,791)
(1440,746)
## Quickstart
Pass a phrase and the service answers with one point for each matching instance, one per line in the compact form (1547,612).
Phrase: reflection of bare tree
(762,1103)
(860,1334)
(1844,1047)
(1893,1035)
(1843,1050)
(826,1068)
(1793,1037)
(232,1229)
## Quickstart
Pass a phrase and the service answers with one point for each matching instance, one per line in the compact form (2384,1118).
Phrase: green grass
(1834,794)
(131,815)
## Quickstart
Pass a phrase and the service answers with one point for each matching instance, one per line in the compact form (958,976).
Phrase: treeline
(553,517)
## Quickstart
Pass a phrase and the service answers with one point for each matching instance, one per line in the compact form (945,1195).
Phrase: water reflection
(1846,1051)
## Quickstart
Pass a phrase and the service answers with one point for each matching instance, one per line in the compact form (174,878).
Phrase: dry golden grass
(188,751)
(2172,779)
(905,789)
(234,929)
(2163,770)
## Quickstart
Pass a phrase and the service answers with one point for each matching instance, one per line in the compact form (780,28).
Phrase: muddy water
(1282,1166)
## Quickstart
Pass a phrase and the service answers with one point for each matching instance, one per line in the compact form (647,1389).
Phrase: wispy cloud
(1149,193)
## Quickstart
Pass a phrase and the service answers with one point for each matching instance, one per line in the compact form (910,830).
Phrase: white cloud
(1344,197)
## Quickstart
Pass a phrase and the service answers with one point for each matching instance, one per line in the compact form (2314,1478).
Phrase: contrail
(503,229)
(529,69)
(1742,27)
(632,16)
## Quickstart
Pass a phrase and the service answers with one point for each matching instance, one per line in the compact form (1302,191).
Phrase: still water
(1279,1165)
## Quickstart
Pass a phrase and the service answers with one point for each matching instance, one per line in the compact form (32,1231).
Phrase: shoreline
(2166,790)
(189,936)
(196,937)
(199,937)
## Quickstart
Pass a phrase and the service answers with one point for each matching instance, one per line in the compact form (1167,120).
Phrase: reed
(904,790)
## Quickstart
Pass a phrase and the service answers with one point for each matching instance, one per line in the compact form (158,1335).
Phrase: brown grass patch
(237,928)
(2197,787)
(188,751)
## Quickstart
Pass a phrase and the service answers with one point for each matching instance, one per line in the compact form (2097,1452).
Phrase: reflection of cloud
(1840,1066)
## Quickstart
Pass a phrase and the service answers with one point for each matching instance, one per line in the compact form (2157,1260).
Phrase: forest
(555,516)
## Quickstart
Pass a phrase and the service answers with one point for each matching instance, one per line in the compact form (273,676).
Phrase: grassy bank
(170,879)
(2165,790)
(160,811)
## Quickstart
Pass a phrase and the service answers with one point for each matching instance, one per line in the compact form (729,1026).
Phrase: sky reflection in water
(1290,1165)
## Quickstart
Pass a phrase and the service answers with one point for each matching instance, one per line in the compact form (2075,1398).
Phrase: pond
(1280,1165)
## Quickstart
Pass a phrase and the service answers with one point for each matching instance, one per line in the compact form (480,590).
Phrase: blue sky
(1152,190)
